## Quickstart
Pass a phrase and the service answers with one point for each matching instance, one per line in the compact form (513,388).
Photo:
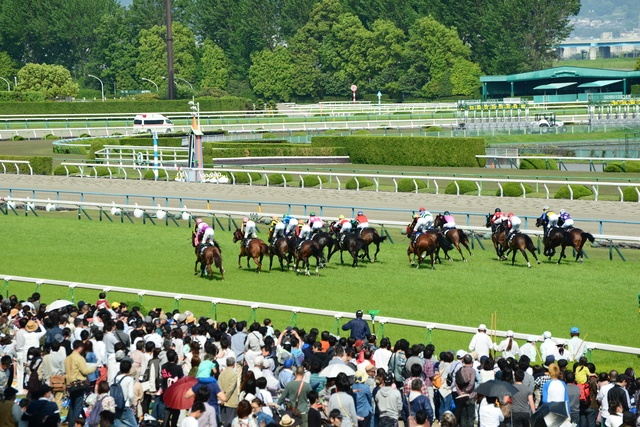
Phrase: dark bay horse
(370,235)
(324,240)
(351,243)
(498,237)
(256,249)
(453,235)
(207,257)
(427,243)
(573,237)
(307,250)
(283,249)
(519,242)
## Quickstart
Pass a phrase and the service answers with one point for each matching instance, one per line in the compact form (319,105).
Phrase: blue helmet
(360,213)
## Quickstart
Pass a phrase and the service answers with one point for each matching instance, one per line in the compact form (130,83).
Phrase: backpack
(585,394)
(117,393)
(147,373)
(94,416)
(400,373)
(451,373)
(436,380)
(460,381)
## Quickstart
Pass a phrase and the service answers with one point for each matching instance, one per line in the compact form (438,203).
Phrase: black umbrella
(495,388)
(552,414)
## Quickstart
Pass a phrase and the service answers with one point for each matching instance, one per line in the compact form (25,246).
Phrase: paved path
(233,195)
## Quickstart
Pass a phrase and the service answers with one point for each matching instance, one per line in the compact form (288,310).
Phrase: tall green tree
(53,80)
(214,66)
(8,67)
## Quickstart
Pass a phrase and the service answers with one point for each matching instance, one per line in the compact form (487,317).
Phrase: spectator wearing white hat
(548,346)
(529,349)
(509,347)
(481,342)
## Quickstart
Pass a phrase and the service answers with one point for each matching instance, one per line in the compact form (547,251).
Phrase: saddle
(247,241)
(204,246)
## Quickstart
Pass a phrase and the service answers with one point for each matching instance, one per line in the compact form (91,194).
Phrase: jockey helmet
(199,221)
(510,214)
(360,213)
(497,210)
(245,219)
(312,214)
(562,211)
(446,213)
(341,217)
(546,208)
(301,221)
(421,210)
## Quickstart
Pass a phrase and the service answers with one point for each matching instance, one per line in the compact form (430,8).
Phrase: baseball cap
(575,330)
(388,378)
(549,360)
(482,327)
(288,363)
(531,338)
(115,305)
(546,334)
(359,313)
(509,333)
(460,354)
(359,343)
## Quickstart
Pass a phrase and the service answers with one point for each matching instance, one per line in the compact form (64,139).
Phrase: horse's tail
(378,238)
(529,243)
(217,258)
(443,242)
(587,236)
(316,251)
(463,237)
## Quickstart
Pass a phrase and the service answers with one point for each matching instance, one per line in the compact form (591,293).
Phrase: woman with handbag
(343,401)
(53,371)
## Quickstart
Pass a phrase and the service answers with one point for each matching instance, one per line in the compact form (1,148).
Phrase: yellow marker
(259,208)
(208,206)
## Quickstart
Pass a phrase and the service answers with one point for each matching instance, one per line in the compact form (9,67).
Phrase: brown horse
(370,235)
(256,249)
(427,243)
(308,249)
(351,243)
(573,237)
(283,249)
(324,240)
(453,235)
(206,257)
(498,237)
(519,242)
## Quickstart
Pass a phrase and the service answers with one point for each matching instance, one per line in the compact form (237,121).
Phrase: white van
(152,122)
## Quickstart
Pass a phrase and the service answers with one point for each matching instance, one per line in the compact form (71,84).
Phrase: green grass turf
(599,296)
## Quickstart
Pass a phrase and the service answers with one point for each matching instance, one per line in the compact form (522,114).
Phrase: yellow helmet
(341,217)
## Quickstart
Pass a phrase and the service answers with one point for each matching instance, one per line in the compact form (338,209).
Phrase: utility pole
(170,80)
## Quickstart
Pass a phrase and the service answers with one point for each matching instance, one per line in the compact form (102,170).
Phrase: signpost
(155,154)
(354,88)
(379,102)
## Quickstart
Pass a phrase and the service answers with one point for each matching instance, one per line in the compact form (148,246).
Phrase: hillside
(617,16)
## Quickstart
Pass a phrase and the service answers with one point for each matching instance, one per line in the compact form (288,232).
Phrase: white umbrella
(332,371)
(58,304)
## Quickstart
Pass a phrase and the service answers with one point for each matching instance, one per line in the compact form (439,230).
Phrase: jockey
(343,225)
(249,228)
(315,223)
(362,221)
(497,218)
(449,222)
(205,235)
(305,230)
(276,228)
(513,223)
(291,223)
(551,218)
(424,222)
(567,221)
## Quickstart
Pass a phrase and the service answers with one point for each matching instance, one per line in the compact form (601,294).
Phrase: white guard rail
(16,164)
(328,313)
(337,176)
(239,214)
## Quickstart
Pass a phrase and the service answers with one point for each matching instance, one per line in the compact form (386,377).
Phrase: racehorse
(498,237)
(308,249)
(283,249)
(210,255)
(351,243)
(256,249)
(454,235)
(427,243)
(370,235)
(519,242)
(574,237)
(324,240)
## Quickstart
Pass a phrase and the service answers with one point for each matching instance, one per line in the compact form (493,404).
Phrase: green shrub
(465,187)
(406,185)
(629,194)
(407,150)
(632,167)
(268,149)
(84,135)
(579,191)
(363,182)
(51,136)
(69,149)
(312,180)
(16,138)
(243,177)
(361,132)
(162,174)
(614,167)
(276,179)
(102,171)
(146,141)
(96,145)
(39,165)
(60,170)
(269,135)
(513,189)
(538,164)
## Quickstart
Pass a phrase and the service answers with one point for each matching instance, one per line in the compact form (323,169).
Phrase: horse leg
(409,253)
(306,267)
(258,262)
(195,267)
(375,255)
(432,260)
(524,254)
(513,259)
(209,270)
(239,259)
(460,250)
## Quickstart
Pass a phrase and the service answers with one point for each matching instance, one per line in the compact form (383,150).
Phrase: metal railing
(514,160)
(16,164)
(294,310)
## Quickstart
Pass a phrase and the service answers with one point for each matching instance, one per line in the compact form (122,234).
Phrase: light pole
(7,82)
(101,85)
(190,85)
(150,81)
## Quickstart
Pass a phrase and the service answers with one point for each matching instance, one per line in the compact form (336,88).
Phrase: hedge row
(148,142)
(538,164)
(288,150)
(408,151)
(14,96)
(630,166)
(229,103)
(40,165)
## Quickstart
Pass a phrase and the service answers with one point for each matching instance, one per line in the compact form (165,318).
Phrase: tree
(53,80)
(270,73)
(7,67)
(214,66)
